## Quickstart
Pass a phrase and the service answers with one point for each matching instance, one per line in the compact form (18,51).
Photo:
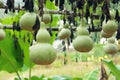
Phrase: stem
(41,5)
(30,71)
(12,65)
(76,56)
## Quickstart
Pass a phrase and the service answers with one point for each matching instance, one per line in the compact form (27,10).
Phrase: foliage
(93,75)
(56,77)
(11,54)
(115,71)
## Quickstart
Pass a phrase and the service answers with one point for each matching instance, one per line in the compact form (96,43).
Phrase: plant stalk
(30,71)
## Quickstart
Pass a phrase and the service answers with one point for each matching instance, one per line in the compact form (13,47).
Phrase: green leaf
(10,56)
(22,44)
(8,20)
(41,77)
(118,66)
(77,79)
(25,47)
(16,79)
(67,77)
(55,20)
(50,5)
(53,37)
(93,75)
(113,68)
(56,77)
(34,78)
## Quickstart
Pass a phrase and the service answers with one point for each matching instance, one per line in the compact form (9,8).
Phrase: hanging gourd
(110,27)
(64,32)
(82,43)
(106,35)
(111,47)
(42,52)
(111,40)
(27,21)
(46,18)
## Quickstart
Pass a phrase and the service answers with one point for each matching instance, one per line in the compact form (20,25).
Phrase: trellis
(61,12)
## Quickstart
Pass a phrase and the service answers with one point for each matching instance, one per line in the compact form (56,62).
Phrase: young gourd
(43,52)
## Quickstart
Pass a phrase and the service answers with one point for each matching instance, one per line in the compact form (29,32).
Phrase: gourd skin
(83,43)
(106,35)
(43,36)
(110,27)
(46,18)
(110,48)
(27,21)
(111,40)
(64,33)
(82,31)
(42,54)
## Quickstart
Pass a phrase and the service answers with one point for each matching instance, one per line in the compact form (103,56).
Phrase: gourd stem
(12,65)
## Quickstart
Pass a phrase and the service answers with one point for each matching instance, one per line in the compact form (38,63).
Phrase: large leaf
(93,75)
(113,68)
(11,55)
(25,41)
